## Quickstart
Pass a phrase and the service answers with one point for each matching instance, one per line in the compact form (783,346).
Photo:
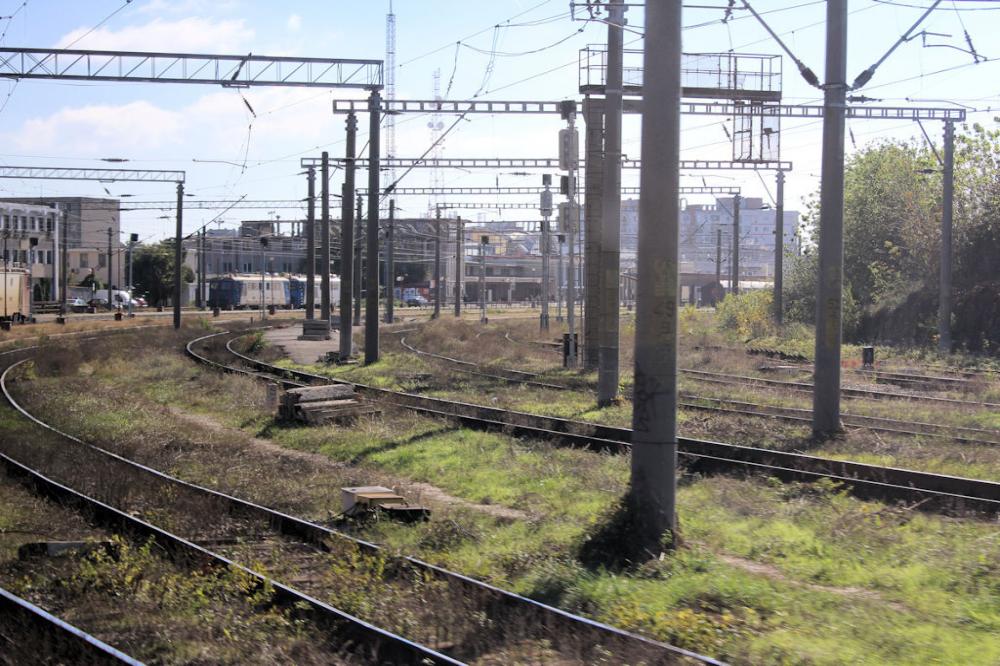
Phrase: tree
(153,272)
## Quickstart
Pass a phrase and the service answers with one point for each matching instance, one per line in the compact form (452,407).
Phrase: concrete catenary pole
(390,264)
(608,333)
(829,289)
(459,252)
(735,264)
(573,219)
(561,239)
(437,264)
(947,210)
(779,247)
(310,295)
(592,201)
(482,279)
(654,412)
(718,256)
(546,210)
(346,347)
(324,187)
(178,255)
(203,270)
(358,263)
(371,281)
(111,264)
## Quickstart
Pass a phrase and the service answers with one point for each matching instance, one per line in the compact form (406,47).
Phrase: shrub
(748,315)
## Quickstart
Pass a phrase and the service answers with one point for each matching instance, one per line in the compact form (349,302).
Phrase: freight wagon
(15,292)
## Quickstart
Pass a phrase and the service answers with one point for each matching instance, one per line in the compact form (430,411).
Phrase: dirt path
(424,493)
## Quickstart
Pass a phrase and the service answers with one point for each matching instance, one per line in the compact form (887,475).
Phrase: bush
(748,315)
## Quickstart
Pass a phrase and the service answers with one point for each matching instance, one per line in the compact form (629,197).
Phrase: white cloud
(294,22)
(190,34)
(100,129)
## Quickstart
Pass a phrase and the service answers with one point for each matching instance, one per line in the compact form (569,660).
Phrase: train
(297,285)
(15,294)
(243,291)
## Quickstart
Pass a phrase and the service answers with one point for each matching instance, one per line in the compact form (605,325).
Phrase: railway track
(871,481)
(295,555)
(899,378)
(965,435)
(24,628)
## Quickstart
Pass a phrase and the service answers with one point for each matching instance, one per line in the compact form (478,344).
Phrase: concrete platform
(302,351)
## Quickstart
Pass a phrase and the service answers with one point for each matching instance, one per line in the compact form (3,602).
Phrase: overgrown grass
(768,573)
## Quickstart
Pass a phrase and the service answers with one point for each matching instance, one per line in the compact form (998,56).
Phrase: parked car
(98,303)
(140,302)
(416,301)
(76,305)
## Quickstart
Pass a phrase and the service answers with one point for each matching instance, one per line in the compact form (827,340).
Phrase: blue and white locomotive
(239,292)
(297,284)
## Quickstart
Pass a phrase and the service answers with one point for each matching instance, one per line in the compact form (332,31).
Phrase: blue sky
(168,126)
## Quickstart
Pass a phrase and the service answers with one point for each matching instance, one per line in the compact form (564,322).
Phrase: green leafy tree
(153,270)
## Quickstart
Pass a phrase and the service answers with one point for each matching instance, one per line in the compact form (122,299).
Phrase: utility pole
(779,248)
(437,264)
(263,268)
(546,210)
(202,271)
(371,295)
(718,256)
(131,282)
(310,295)
(608,372)
(560,240)
(110,266)
(347,243)
(736,245)
(570,229)
(358,236)
(324,186)
(948,195)
(484,241)
(459,251)
(178,255)
(64,263)
(654,413)
(593,179)
(830,280)
(390,265)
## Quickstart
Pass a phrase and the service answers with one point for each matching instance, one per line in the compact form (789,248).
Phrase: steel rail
(74,643)
(863,480)
(790,414)
(292,526)
(355,631)
(548,613)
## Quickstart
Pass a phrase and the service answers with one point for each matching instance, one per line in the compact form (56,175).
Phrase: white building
(29,237)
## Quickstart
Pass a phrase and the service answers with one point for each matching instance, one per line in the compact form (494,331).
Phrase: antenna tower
(390,85)
(436,125)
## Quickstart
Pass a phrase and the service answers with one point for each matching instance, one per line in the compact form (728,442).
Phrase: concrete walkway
(305,352)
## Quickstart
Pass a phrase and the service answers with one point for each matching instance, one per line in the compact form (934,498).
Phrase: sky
(514,50)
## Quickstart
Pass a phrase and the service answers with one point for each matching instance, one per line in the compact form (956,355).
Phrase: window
(102,260)
(84,260)
(33,221)
(5,222)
